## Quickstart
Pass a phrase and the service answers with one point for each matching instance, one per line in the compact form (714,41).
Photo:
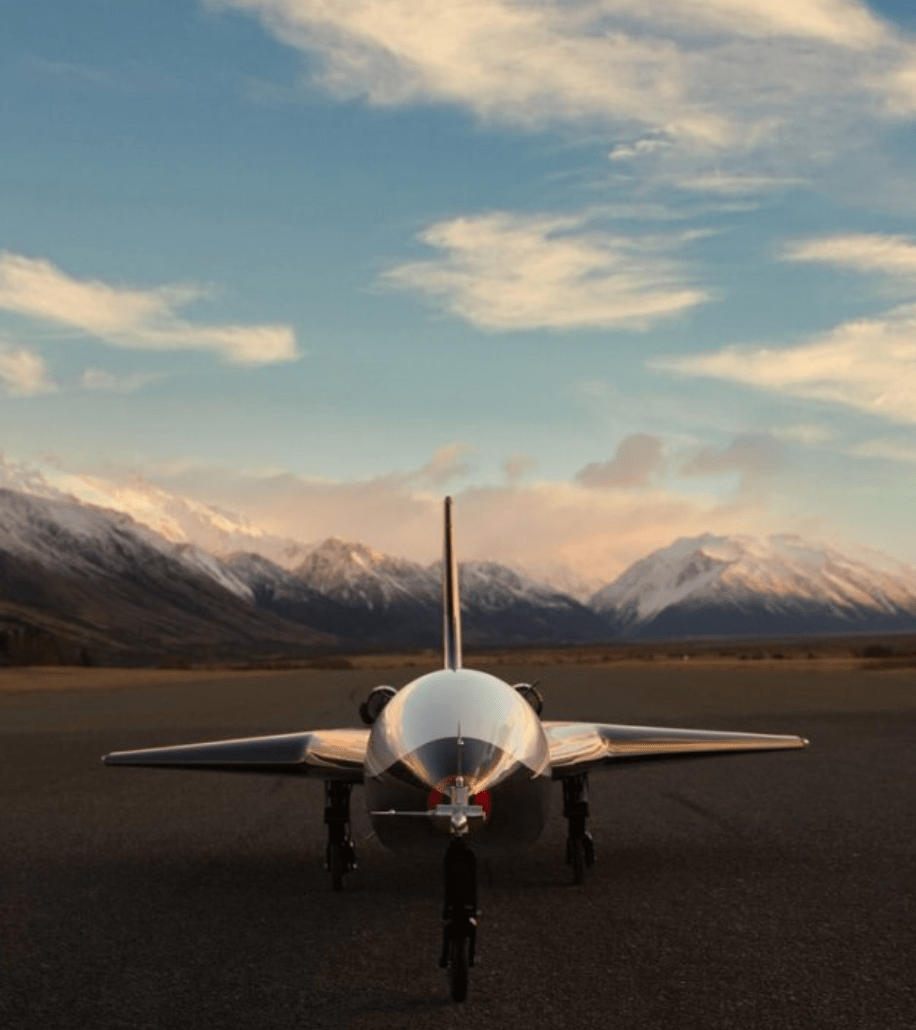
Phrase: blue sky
(611,272)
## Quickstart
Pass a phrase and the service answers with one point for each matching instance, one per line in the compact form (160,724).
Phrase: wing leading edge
(330,754)
(577,747)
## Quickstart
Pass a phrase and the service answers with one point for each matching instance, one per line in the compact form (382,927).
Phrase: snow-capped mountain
(80,582)
(353,573)
(91,581)
(177,518)
(364,596)
(713,585)
(265,580)
(74,538)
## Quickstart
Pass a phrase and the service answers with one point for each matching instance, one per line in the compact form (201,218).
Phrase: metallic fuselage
(450,723)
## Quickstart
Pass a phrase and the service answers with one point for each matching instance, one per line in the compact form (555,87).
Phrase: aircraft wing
(577,747)
(329,754)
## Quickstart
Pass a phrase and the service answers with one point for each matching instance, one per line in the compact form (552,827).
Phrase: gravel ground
(772,890)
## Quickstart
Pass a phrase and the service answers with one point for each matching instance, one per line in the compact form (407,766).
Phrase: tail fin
(451,603)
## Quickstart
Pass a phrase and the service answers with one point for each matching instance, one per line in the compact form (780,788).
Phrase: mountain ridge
(102,586)
(772,586)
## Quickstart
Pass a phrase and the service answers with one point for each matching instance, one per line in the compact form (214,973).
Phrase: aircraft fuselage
(452,723)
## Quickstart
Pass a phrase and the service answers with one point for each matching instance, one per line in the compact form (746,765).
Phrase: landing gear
(580,848)
(340,856)
(459,928)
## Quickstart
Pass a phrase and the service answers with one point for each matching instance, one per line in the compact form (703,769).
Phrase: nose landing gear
(459,928)
(340,856)
(580,848)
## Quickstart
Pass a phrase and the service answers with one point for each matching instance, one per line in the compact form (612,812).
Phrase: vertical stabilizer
(450,601)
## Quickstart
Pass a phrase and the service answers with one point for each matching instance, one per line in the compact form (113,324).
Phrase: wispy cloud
(637,149)
(23,373)
(868,365)
(873,253)
(737,185)
(806,434)
(786,78)
(844,23)
(109,382)
(447,463)
(887,450)
(130,318)
(504,271)
(638,457)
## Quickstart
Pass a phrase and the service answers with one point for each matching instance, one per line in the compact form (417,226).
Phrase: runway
(771,890)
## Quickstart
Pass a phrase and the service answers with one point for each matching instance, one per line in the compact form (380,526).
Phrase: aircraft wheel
(458,967)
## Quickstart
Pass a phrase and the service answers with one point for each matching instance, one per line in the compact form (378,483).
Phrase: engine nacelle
(372,707)
(532,695)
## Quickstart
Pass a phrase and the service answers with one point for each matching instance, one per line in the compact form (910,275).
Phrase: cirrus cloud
(790,79)
(874,253)
(504,271)
(868,365)
(130,318)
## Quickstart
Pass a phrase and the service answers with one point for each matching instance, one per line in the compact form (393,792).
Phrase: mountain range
(84,583)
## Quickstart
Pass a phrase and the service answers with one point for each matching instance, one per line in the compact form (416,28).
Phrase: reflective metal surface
(413,755)
(330,754)
(576,747)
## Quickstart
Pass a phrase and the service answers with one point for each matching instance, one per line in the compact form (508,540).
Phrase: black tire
(577,859)
(458,967)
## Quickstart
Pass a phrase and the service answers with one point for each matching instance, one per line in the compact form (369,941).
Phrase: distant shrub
(330,662)
(173,662)
(877,651)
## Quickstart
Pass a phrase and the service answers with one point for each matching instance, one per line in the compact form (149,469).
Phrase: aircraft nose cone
(438,763)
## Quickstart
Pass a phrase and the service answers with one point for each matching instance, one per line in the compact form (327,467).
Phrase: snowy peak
(177,518)
(354,573)
(780,575)
(267,581)
(668,576)
(70,537)
(490,586)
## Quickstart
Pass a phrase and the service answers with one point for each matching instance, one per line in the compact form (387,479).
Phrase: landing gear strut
(340,856)
(459,928)
(580,848)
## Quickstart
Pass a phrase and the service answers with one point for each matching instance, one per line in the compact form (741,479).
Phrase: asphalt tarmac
(772,890)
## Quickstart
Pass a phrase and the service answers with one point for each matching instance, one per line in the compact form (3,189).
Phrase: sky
(610,272)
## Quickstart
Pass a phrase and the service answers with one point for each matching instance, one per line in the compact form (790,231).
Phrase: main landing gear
(459,928)
(340,856)
(580,848)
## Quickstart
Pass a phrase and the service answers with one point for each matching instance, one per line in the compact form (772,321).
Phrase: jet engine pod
(372,707)
(532,695)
